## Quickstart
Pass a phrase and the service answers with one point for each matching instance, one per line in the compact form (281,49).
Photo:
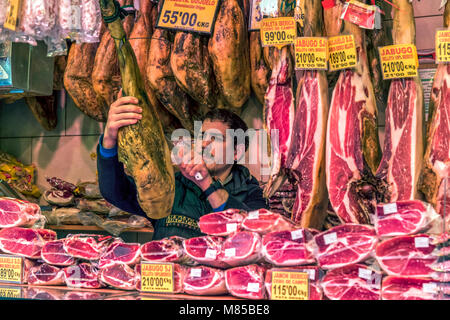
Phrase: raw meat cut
(406,255)
(352,147)
(242,248)
(279,112)
(60,198)
(86,246)
(344,245)
(246,282)
(204,281)
(403,218)
(37,293)
(179,273)
(288,248)
(221,223)
(164,250)
(82,275)
(119,276)
(263,221)
(142,147)
(25,242)
(45,275)
(407,288)
(314,275)
(353,282)
(118,251)
(18,213)
(53,253)
(442,264)
(228,49)
(205,250)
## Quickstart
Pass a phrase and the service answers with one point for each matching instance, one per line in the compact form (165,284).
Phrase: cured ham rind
(260,73)
(142,146)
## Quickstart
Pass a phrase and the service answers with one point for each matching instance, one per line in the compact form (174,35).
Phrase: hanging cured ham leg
(260,72)
(142,146)
(403,144)
(352,148)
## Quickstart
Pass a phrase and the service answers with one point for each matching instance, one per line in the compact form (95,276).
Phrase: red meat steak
(119,276)
(45,274)
(242,248)
(164,250)
(85,246)
(353,282)
(344,245)
(407,288)
(205,250)
(246,282)
(263,221)
(288,248)
(25,242)
(221,223)
(403,218)
(203,280)
(18,213)
(407,255)
(82,275)
(127,253)
(53,253)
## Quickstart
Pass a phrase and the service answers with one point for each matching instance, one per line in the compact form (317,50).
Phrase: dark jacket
(189,203)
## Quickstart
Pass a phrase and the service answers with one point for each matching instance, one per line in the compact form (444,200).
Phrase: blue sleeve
(221,208)
(106,153)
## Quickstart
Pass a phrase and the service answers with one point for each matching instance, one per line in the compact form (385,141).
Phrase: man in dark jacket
(220,186)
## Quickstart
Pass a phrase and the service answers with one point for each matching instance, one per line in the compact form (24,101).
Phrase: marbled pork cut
(205,250)
(118,251)
(164,250)
(18,213)
(204,281)
(246,282)
(407,255)
(403,218)
(344,245)
(264,221)
(53,253)
(85,246)
(25,242)
(242,248)
(353,282)
(407,288)
(221,223)
(45,275)
(82,275)
(288,248)
(118,275)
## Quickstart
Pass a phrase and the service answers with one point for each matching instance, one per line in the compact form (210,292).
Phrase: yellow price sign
(399,61)
(12,15)
(278,32)
(342,52)
(10,292)
(442,46)
(157,277)
(11,269)
(289,285)
(189,15)
(311,53)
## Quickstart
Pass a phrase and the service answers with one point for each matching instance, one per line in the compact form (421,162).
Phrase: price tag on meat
(190,15)
(278,32)
(11,269)
(341,52)
(442,46)
(157,277)
(399,61)
(10,292)
(311,53)
(289,285)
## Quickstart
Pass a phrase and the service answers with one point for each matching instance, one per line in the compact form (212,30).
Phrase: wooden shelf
(94,228)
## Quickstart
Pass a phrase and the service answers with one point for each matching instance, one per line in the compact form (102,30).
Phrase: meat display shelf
(94,228)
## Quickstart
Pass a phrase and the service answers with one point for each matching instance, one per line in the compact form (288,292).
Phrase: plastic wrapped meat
(204,281)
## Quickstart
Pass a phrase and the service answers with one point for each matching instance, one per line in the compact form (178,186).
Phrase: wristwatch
(216,185)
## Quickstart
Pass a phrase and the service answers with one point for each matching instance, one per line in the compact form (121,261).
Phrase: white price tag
(330,238)
(231,227)
(211,254)
(253,287)
(196,273)
(297,234)
(253,214)
(230,252)
(311,274)
(390,208)
(422,242)
(365,273)
(429,287)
